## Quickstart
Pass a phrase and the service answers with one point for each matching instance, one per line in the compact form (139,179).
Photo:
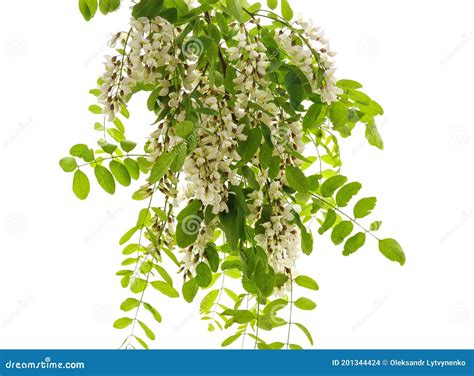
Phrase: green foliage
(254,133)
(307,282)
(345,194)
(354,243)
(392,250)
(305,304)
(88,8)
(108,6)
(105,179)
(81,185)
(296,179)
(364,207)
(147,8)
(68,164)
(165,288)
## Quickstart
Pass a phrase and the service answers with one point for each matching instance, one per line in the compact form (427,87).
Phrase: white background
(58,255)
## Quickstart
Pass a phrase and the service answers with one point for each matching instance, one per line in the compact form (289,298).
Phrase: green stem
(112,157)
(345,215)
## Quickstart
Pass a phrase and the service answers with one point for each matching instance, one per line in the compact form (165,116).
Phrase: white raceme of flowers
(150,57)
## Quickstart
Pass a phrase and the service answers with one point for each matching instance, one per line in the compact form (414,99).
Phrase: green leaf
(312,116)
(189,224)
(128,235)
(332,184)
(248,148)
(328,221)
(338,114)
(294,87)
(190,289)
(82,151)
(296,179)
(120,173)
(161,167)
(147,8)
(108,6)
(131,248)
(142,343)
(372,135)
(191,209)
(305,304)
(68,164)
(364,207)
(212,257)
(105,179)
(80,185)
(392,250)
(207,111)
(341,231)
(138,285)
(306,242)
(349,84)
(294,346)
(230,340)
(232,222)
(345,194)
(306,332)
(129,304)
(184,128)
(148,332)
(208,301)
(108,148)
(118,124)
(88,8)
(272,4)
(235,10)
(286,10)
(127,145)
(187,231)
(354,243)
(132,167)
(164,274)
(239,316)
(95,109)
(165,288)
(203,275)
(307,282)
(156,315)
(264,279)
(122,323)
(374,226)
(116,134)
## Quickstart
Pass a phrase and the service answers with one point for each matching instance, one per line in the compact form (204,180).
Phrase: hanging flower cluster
(243,156)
